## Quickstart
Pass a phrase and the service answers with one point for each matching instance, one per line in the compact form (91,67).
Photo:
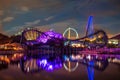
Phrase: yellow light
(99,36)
(14,48)
(109,42)
(6,59)
(5,47)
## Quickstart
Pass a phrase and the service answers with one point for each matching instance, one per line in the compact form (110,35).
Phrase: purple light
(49,66)
(25,57)
(29,43)
(57,66)
(49,35)
(43,62)
(43,38)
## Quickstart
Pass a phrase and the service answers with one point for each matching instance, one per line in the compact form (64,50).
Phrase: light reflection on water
(92,65)
(110,73)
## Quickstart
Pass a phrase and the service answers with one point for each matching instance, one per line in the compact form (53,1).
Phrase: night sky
(16,15)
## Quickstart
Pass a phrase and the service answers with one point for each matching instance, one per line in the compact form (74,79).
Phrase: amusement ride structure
(68,65)
(51,50)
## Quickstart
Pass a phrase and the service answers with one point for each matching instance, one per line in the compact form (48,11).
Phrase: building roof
(116,36)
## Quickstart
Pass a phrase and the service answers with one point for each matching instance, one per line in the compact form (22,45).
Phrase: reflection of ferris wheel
(69,66)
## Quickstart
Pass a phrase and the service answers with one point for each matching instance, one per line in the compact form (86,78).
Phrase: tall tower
(90,30)
(89,27)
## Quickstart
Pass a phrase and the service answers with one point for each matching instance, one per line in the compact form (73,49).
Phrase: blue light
(90,71)
(91,63)
(89,27)
(65,57)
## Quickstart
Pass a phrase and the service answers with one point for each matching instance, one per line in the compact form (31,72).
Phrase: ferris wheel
(68,65)
(68,32)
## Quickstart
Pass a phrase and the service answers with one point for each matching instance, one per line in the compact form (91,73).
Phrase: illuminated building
(11,46)
(114,41)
